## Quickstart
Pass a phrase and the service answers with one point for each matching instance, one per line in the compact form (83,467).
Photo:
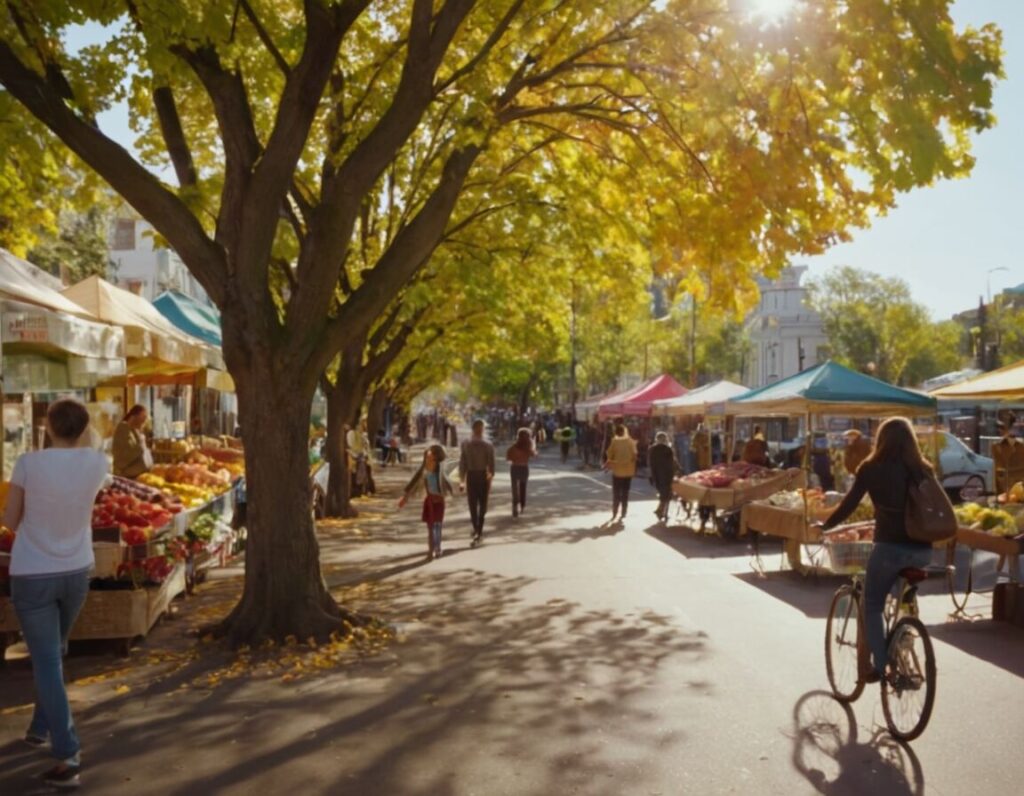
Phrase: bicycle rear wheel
(842,636)
(908,690)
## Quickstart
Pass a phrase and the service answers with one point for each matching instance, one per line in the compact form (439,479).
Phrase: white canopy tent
(699,400)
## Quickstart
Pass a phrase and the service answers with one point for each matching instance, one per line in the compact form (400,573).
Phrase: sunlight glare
(771,10)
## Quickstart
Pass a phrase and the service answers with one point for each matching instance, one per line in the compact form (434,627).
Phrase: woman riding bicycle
(885,475)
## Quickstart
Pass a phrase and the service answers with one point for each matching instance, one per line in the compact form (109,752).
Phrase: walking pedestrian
(476,469)
(49,506)
(566,436)
(622,463)
(431,479)
(358,445)
(520,453)
(664,468)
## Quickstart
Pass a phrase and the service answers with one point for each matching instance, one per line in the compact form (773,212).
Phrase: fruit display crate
(989,542)
(729,498)
(779,521)
(120,614)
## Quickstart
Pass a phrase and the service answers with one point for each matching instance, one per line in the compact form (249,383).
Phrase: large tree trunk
(284,592)
(342,411)
(375,411)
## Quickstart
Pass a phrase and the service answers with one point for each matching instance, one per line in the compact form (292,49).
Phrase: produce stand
(793,527)
(729,500)
(1007,549)
(119,614)
(828,389)
(121,609)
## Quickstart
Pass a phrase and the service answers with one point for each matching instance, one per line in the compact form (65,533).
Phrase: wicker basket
(849,558)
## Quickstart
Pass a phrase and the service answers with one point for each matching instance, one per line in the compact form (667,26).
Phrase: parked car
(964,473)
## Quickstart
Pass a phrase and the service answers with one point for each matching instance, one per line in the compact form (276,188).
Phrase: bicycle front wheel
(842,637)
(908,690)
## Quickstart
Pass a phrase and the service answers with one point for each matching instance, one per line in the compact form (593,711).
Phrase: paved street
(563,656)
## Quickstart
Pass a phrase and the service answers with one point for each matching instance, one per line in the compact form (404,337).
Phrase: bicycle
(908,687)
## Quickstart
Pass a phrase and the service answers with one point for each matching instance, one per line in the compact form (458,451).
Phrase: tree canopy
(324,150)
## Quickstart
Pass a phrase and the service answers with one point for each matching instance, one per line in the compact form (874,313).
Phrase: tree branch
(174,136)
(343,191)
(493,39)
(268,42)
(407,253)
(169,216)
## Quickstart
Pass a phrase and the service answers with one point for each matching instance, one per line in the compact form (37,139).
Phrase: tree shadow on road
(999,643)
(693,545)
(810,594)
(827,752)
(480,668)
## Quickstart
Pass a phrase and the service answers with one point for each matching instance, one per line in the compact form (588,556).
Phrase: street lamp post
(988,281)
(990,360)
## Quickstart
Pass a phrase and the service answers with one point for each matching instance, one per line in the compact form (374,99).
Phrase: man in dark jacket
(476,469)
(664,468)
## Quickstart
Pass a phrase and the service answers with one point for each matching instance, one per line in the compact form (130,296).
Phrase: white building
(138,266)
(786,335)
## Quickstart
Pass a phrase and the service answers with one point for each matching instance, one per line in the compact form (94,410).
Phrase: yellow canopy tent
(152,343)
(1004,384)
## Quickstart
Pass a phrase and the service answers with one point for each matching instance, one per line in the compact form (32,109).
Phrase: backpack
(929,513)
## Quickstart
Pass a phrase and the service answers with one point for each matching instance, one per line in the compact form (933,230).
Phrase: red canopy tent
(640,400)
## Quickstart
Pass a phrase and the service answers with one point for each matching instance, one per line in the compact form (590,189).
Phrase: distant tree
(874,326)
(78,249)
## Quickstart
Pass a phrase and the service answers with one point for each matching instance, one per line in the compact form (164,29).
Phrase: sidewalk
(181,716)
(177,707)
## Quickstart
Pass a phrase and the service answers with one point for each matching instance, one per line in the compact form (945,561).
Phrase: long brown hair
(524,441)
(896,441)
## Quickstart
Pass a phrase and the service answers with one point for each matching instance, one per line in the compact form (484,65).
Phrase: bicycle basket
(849,558)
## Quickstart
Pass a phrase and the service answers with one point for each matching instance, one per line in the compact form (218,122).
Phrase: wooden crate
(979,540)
(777,521)
(121,614)
(727,498)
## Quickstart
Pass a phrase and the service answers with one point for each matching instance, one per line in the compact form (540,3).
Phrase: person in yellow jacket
(702,447)
(622,463)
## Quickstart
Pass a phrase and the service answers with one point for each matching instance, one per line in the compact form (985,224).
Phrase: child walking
(431,479)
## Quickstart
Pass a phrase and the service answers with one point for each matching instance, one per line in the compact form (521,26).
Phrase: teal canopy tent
(830,388)
(191,316)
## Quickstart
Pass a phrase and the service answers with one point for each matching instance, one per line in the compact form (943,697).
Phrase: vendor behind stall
(131,456)
(756,449)
(857,449)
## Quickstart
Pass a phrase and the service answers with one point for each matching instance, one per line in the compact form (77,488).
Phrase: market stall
(993,525)
(639,401)
(1005,384)
(51,347)
(150,544)
(214,406)
(701,405)
(697,402)
(162,361)
(826,390)
(152,540)
(587,409)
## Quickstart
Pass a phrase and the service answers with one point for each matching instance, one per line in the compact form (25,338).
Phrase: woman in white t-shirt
(49,506)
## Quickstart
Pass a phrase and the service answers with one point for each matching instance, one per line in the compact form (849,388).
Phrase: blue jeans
(887,559)
(47,607)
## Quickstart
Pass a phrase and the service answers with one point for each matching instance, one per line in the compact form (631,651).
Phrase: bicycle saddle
(913,574)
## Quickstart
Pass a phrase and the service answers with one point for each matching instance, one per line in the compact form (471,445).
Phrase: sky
(945,240)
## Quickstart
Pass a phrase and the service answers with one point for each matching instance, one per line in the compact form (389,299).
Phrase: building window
(124,235)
